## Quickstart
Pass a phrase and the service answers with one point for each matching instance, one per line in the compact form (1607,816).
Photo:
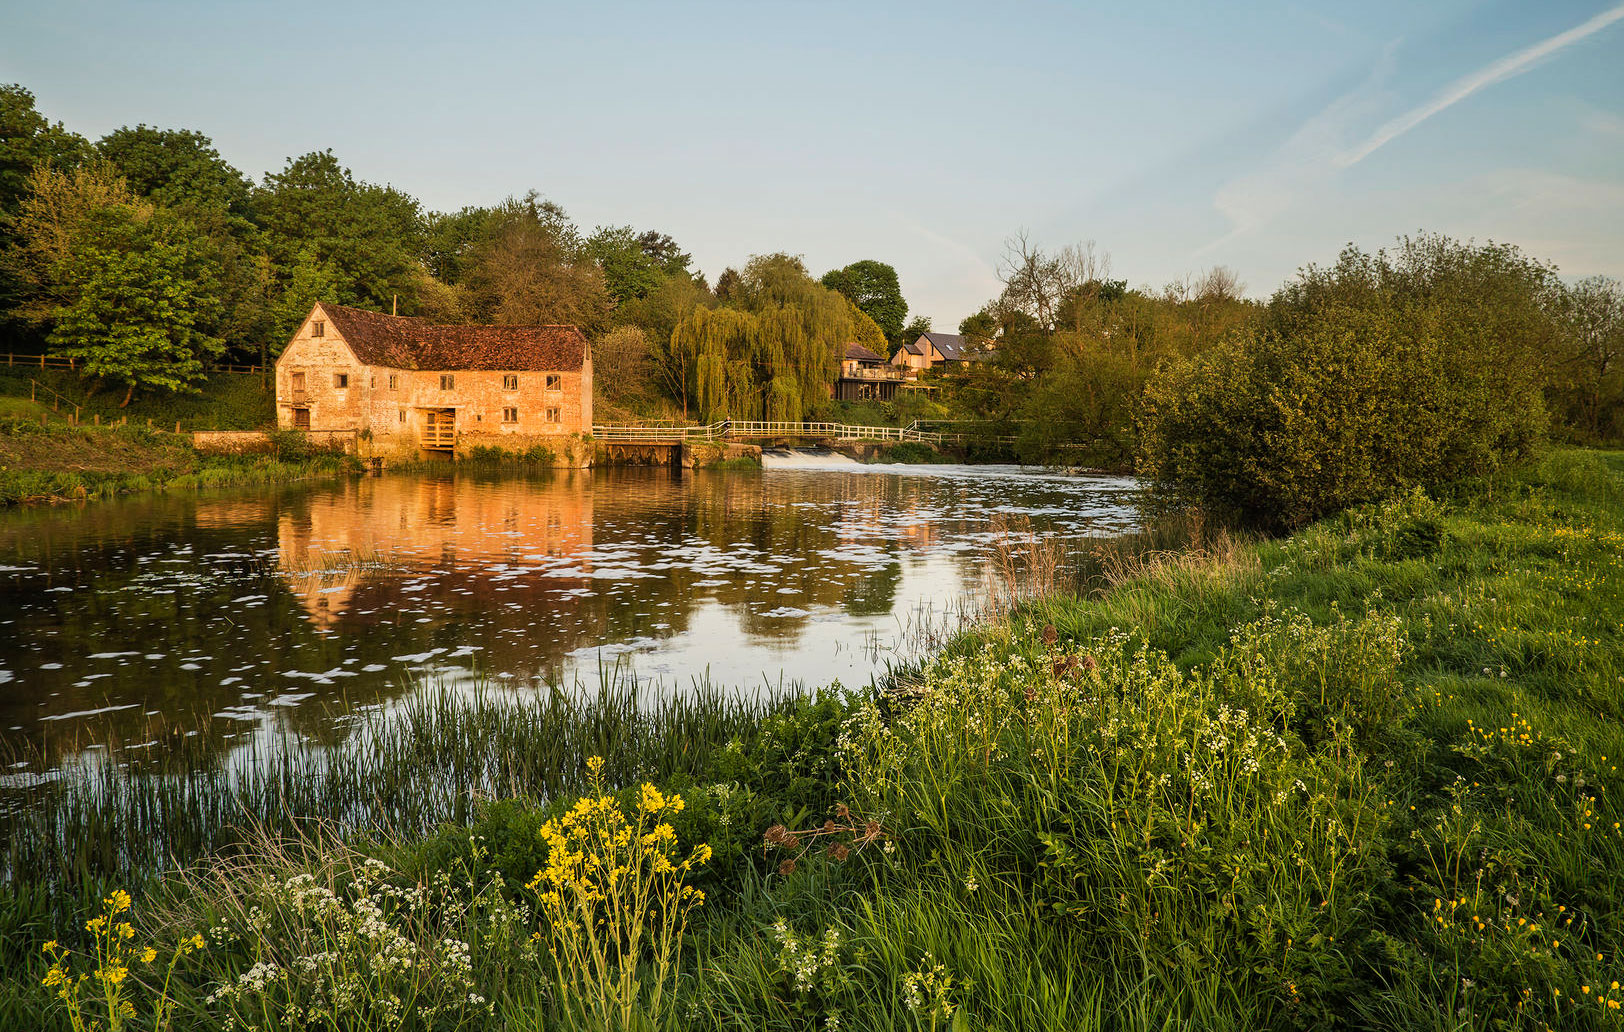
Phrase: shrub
(1367,379)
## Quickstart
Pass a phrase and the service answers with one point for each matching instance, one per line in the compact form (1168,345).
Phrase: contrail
(1457,91)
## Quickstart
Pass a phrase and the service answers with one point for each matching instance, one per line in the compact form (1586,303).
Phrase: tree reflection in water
(138,619)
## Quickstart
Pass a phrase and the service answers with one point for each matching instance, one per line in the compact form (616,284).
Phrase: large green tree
(178,168)
(371,236)
(873,287)
(142,291)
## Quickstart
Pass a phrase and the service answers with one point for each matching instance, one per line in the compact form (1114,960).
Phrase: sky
(1176,136)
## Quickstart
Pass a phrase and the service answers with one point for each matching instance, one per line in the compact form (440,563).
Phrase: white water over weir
(805,458)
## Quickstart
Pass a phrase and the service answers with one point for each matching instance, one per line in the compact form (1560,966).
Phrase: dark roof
(406,342)
(950,345)
(861,354)
(912,347)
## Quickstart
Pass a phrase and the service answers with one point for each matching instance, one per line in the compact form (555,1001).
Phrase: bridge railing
(746,429)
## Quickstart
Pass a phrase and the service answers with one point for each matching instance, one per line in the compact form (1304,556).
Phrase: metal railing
(755,429)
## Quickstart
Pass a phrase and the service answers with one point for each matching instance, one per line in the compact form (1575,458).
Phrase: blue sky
(1175,135)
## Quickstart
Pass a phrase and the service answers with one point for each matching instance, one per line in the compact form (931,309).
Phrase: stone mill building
(412,388)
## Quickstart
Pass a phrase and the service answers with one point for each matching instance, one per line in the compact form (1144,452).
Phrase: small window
(297,381)
(552,415)
(403,415)
(372,381)
(510,415)
(448,382)
(394,382)
(555,382)
(301,419)
(510,381)
(318,328)
(341,380)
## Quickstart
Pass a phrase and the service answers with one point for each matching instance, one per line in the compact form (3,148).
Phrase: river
(166,613)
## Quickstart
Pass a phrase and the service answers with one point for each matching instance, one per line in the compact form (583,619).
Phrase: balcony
(877,373)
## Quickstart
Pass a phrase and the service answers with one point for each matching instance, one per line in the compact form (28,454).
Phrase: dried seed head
(842,811)
(839,851)
(787,868)
(1050,635)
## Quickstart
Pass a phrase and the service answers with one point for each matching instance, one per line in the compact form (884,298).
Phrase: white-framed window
(394,381)
(341,381)
(510,415)
(552,416)
(318,328)
(555,382)
(448,382)
(510,381)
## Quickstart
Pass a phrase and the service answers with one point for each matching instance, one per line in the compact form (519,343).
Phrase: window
(341,381)
(296,381)
(403,415)
(510,415)
(394,382)
(510,381)
(448,382)
(555,382)
(318,328)
(301,419)
(552,415)
(372,381)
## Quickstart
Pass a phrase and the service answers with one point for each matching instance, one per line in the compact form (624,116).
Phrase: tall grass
(399,770)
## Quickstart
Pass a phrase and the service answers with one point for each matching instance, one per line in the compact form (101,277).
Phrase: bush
(1383,373)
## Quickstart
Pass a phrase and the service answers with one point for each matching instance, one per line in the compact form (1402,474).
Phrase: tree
(1404,368)
(1036,282)
(621,365)
(51,219)
(141,288)
(29,141)
(1587,380)
(873,287)
(635,263)
(529,266)
(29,144)
(371,236)
(178,168)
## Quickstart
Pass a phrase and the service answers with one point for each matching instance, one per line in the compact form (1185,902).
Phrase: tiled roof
(950,345)
(856,352)
(406,342)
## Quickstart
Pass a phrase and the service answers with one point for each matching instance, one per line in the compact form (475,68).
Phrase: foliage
(177,168)
(614,888)
(368,235)
(529,266)
(770,351)
(1385,372)
(140,289)
(873,287)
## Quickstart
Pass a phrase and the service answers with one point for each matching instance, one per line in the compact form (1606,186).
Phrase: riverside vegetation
(1364,776)
(54,462)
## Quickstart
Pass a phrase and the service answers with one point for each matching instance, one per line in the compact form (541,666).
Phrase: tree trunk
(127,396)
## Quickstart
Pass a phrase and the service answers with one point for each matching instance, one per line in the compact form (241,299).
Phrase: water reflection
(147,618)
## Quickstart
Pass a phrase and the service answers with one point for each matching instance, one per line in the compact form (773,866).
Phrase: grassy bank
(1364,777)
(55,462)
(225,401)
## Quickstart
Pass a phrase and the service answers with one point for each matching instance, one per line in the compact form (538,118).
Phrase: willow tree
(773,351)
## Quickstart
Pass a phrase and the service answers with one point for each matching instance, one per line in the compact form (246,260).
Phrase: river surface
(126,620)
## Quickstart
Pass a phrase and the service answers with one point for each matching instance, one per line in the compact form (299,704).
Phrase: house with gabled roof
(932,351)
(416,388)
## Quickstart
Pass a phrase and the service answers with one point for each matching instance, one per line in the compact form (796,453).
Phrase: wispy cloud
(1507,67)
(1305,165)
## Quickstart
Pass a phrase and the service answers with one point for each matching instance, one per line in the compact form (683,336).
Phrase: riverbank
(45,463)
(1364,777)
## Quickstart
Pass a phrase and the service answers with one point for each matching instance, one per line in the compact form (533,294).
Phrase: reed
(397,770)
